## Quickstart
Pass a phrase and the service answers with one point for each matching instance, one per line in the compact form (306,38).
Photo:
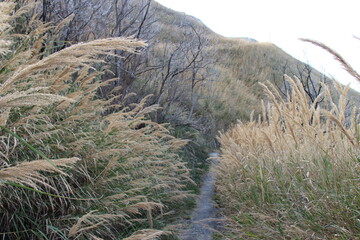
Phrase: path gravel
(204,220)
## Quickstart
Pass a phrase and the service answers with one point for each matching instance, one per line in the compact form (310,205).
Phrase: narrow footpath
(204,220)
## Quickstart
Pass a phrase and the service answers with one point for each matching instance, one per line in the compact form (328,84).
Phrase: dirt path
(204,219)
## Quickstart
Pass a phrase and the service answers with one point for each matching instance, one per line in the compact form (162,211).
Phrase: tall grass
(294,172)
(73,165)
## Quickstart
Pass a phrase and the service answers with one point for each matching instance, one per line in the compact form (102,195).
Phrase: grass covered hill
(237,67)
(200,79)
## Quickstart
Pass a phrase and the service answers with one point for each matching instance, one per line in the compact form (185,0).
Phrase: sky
(283,22)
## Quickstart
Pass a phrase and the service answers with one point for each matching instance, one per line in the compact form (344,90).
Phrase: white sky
(283,22)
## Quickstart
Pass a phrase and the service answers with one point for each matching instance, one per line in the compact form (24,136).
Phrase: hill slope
(200,78)
(240,64)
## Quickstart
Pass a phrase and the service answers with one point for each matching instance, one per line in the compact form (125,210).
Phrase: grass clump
(74,165)
(294,172)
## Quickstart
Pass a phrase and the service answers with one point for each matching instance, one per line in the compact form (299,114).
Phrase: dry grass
(337,57)
(147,234)
(294,173)
(238,66)
(75,165)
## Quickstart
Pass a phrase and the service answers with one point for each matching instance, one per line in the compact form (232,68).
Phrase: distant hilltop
(246,39)
(249,39)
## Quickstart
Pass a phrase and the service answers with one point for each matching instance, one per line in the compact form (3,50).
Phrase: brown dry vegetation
(74,165)
(227,70)
(238,68)
(81,157)
(294,172)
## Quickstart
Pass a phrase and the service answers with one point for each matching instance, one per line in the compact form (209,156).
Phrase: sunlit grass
(294,173)
(73,165)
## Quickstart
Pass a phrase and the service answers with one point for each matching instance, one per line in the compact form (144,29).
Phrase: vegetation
(104,136)
(74,165)
(294,172)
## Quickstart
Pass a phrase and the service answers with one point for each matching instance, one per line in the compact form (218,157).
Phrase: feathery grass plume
(127,165)
(5,10)
(147,234)
(90,221)
(141,162)
(337,57)
(75,56)
(4,46)
(28,172)
(295,173)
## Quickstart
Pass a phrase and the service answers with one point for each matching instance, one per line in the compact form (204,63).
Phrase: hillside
(238,66)
(200,78)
